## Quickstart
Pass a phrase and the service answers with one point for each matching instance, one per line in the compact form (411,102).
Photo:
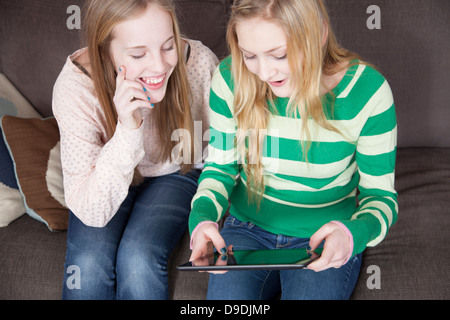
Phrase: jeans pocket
(233,222)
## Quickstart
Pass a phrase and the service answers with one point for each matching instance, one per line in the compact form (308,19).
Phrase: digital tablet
(253,259)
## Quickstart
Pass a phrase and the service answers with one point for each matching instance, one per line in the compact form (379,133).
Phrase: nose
(265,70)
(156,63)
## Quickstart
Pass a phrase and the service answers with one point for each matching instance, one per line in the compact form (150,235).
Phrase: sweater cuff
(198,227)
(340,224)
(203,209)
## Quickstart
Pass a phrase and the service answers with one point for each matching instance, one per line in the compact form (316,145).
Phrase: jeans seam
(349,272)
(264,283)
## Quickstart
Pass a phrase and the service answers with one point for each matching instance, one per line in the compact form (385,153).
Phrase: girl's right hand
(129,98)
(203,237)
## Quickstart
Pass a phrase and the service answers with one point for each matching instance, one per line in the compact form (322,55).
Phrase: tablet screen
(254,259)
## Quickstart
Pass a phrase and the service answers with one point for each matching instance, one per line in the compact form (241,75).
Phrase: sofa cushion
(31,261)
(413,262)
(34,148)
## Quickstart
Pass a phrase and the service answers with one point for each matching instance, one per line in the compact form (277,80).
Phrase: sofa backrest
(35,40)
(407,40)
(412,50)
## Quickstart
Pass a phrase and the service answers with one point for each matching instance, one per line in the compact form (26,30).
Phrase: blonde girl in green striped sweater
(303,147)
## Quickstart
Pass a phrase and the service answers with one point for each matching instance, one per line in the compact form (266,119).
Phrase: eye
(281,58)
(169,48)
(138,57)
(249,57)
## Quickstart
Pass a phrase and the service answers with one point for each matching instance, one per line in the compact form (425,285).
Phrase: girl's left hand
(336,249)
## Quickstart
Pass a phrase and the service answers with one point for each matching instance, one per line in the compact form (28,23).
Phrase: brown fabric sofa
(409,45)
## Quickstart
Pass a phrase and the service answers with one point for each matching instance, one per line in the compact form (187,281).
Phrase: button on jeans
(303,284)
(128,258)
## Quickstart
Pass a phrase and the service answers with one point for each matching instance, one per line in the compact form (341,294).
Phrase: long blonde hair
(171,114)
(303,22)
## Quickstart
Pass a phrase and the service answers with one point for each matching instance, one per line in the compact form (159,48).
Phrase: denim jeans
(128,258)
(303,284)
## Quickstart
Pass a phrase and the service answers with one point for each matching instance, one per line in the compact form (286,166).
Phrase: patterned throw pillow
(34,148)
(11,201)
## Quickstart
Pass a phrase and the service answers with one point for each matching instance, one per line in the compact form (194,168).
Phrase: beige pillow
(13,103)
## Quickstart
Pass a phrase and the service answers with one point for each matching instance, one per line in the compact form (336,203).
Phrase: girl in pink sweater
(128,106)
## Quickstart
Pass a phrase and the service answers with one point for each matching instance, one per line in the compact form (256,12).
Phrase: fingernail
(308,248)
(120,69)
(223,250)
(148,98)
(224,258)
(145,90)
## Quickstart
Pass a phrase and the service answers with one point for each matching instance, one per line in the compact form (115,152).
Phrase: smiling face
(264,48)
(145,45)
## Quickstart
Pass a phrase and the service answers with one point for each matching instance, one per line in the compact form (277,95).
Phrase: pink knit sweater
(98,173)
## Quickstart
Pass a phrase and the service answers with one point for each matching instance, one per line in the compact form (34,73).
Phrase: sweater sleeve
(375,157)
(97,175)
(222,166)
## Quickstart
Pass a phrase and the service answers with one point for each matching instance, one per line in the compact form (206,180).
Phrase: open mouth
(278,83)
(153,83)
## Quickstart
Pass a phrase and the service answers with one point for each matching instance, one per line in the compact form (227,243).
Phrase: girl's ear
(325,34)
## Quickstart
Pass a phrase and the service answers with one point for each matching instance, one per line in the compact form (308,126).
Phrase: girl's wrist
(198,227)
(349,234)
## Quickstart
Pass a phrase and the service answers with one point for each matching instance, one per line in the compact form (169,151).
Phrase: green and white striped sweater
(300,197)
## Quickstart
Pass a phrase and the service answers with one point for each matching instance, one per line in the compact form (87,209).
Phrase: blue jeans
(128,258)
(302,284)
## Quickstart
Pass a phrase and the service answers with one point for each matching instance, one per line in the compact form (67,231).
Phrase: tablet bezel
(300,264)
